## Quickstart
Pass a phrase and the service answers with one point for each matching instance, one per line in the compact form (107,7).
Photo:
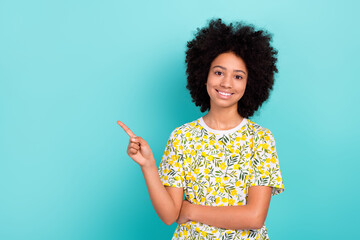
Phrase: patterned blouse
(216,168)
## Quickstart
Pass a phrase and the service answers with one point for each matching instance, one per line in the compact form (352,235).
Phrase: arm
(166,201)
(249,216)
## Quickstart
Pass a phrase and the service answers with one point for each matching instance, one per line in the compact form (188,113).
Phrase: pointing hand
(138,149)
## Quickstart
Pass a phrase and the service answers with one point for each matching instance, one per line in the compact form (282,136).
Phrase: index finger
(126,129)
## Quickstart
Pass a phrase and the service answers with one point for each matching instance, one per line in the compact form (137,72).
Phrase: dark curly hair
(253,46)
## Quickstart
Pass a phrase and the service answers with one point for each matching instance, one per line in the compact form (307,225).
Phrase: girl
(224,163)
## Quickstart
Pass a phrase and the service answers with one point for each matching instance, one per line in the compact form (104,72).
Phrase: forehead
(230,61)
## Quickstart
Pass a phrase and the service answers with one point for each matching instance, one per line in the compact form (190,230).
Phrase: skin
(165,200)
(227,73)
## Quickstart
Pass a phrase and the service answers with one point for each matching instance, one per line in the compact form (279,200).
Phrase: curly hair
(253,46)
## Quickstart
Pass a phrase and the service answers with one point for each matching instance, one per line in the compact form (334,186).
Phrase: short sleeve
(171,170)
(265,170)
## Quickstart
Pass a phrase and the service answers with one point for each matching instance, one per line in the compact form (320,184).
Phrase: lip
(224,96)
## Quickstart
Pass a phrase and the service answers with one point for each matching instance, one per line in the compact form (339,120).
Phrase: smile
(224,93)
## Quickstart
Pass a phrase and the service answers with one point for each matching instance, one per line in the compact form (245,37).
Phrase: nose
(226,82)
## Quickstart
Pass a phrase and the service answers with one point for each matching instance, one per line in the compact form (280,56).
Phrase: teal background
(70,69)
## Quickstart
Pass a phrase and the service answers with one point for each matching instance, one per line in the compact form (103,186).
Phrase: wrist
(149,165)
(189,210)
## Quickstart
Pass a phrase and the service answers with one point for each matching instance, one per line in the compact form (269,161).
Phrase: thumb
(138,140)
(143,142)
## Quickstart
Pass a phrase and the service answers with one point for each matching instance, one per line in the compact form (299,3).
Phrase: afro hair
(252,45)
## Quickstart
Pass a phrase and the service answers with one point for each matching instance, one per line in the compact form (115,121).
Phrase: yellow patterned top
(216,168)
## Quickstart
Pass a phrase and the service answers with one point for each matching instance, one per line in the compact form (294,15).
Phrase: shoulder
(259,132)
(264,142)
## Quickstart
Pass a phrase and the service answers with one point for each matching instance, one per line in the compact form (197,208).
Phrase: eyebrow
(226,69)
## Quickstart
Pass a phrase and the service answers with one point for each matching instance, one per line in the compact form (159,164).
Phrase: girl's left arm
(249,216)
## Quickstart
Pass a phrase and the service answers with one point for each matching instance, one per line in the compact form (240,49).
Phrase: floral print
(216,168)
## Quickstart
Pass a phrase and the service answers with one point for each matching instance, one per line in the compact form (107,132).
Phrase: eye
(218,73)
(238,77)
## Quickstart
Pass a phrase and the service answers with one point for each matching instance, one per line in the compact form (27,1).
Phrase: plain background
(70,69)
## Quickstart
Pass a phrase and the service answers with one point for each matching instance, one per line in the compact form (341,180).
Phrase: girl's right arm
(166,201)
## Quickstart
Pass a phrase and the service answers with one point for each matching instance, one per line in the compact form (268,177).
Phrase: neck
(222,118)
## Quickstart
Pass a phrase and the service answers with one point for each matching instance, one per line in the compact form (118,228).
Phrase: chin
(224,105)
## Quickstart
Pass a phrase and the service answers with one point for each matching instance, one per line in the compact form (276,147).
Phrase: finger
(126,129)
(133,151)
(136,140)
(134,145)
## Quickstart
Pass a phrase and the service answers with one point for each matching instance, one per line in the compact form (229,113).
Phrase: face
(226,81)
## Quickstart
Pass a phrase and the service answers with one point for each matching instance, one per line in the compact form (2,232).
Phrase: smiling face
(226,81)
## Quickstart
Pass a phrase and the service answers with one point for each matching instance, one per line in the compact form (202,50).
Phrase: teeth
(226,94)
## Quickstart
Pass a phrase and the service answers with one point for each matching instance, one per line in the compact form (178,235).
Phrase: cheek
(242,86)
(210,86)
(210,82)
(208,89)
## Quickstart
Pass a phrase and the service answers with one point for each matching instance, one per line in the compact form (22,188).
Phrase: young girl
(224,163)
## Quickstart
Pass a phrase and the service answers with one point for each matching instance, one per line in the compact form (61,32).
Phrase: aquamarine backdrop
(70,69)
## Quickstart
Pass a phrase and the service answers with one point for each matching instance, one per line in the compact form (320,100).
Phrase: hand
(138,149)
(183,215)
